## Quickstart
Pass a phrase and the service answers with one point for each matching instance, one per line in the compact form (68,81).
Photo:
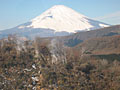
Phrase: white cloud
(113,18)
(112,15)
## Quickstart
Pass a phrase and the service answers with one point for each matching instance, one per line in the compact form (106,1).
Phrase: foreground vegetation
(28,65)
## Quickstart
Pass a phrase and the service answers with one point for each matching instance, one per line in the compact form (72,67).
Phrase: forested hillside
(47,65)
(102,45)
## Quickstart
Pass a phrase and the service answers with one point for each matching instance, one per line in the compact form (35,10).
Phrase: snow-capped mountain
(57,21)
(61,18)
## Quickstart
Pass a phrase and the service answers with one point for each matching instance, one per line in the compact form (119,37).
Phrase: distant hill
(31,33)
(102,45)
(75,39)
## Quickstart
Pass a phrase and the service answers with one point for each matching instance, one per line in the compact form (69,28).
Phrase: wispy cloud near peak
(113,18)
(112,15)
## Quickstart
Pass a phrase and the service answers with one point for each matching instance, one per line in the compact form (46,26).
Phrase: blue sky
(15,12)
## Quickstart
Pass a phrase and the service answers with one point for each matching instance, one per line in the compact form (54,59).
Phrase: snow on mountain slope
(56,21)
(61,18)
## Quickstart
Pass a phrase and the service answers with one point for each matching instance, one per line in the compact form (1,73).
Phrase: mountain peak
(61,18)
(59,6)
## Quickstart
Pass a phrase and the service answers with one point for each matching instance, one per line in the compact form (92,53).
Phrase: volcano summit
(56,21)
